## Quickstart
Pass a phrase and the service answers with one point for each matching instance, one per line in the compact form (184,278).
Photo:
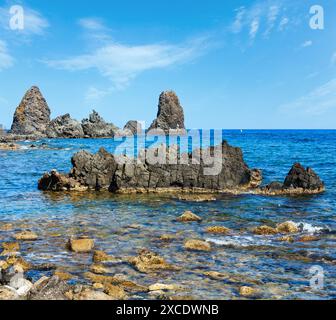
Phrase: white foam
(309,228)
(241,241)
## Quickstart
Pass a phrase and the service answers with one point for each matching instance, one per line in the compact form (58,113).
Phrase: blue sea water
(121,225)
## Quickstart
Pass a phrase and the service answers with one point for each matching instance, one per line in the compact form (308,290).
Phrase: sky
(234,64)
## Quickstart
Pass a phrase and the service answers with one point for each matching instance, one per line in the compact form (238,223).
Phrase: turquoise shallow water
(121,225)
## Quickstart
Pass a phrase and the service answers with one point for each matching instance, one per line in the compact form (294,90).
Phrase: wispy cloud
(307,43)
(92,24)
(34,22)
(94,94)
(6,60)
(318,101)
(261,17)
(121,63)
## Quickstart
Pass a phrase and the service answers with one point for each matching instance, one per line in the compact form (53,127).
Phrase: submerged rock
(50,289)
(197,197)
(80,245)
(188,216)
(101,256)
(265,230)
(218,230)
(9,146)
(32,116)
(65,127)
(287,227)
(96,127)
(197,245)
(170,114)
(248,292)
(148,262)
(26,236)
(7,293)
(10,248)
(88,295)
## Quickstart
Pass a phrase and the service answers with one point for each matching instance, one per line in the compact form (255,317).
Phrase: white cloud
(254,28)
(95,94)
(34,22)
(283,23)
(238,23)
(272,17)
(262,16)
(122,63)
(6,60)
(91,23)
(307,43)
(317,102)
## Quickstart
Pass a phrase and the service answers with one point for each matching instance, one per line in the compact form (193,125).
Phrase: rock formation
(64,127)
(32,116)
(96,127)
(120,174)
(299,177)
(134,127)
(123,174)
(298,181)
(170,115)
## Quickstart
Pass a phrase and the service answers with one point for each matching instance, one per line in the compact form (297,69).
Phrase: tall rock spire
(170,114)
(32,116)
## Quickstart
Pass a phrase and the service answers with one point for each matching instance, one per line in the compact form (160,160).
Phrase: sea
(121,225)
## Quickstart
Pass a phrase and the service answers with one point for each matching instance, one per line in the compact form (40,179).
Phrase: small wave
(241,241)
(309,228)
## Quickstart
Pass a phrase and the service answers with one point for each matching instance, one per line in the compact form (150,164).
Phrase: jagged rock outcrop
(134,127)
(64,127)
(298,181)
(32,116)
(161,169)
(96,127)
(170,114)
(299,177)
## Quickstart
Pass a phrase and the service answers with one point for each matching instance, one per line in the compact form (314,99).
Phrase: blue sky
(234,64)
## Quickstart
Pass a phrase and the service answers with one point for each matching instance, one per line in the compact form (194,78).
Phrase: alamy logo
(16,21)
(317,20)
(317,279)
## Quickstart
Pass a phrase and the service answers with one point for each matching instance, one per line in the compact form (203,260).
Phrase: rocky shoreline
(98,281)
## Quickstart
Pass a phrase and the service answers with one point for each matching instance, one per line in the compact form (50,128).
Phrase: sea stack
(32,116)
(134,127)
(65,127)
(170,115)
(96,127)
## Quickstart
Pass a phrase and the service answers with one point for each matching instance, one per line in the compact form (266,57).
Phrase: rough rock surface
(96,127)
(65,127)
(122,174)
(298,181)
(170,114)
(134,127)
(32,116)
(299,177)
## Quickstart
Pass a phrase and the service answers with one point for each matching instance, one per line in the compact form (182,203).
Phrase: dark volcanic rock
(218,168)
(170,114)
(134,127)
(95,171)
(96,127)
(65,127)
(32,116)
(299,177)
